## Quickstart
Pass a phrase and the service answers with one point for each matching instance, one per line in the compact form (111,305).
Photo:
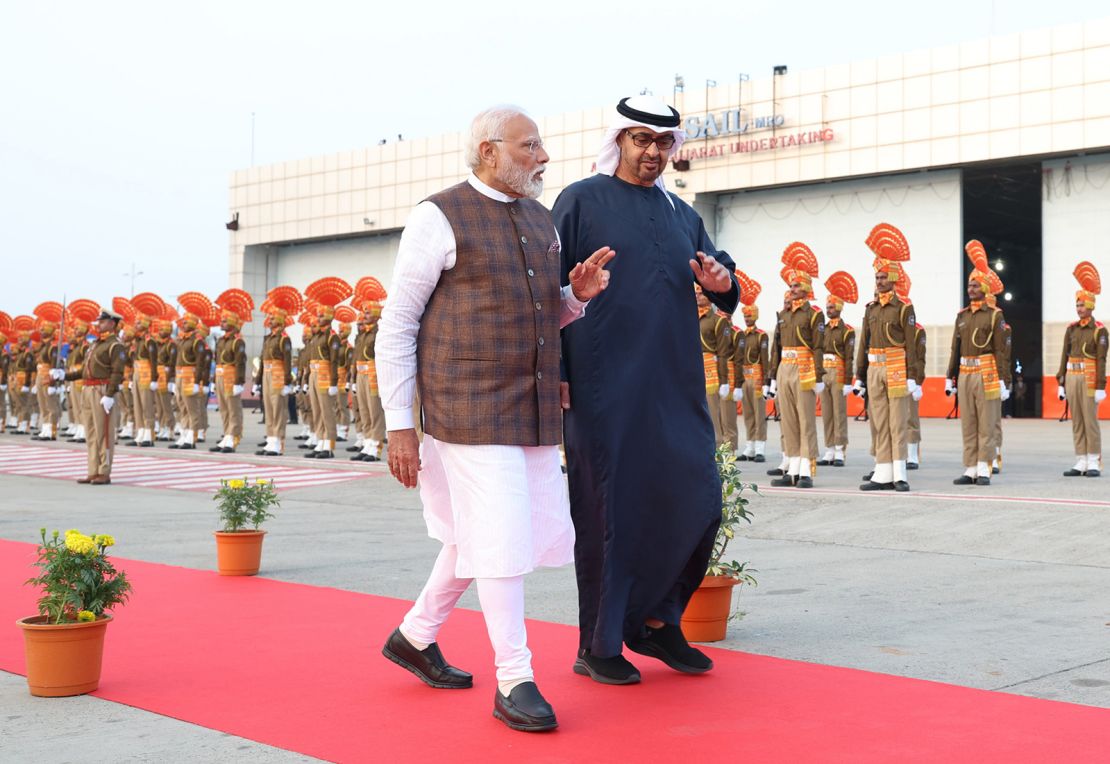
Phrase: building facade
(1006,140)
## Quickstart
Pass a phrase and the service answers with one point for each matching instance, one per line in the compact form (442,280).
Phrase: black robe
(644,492)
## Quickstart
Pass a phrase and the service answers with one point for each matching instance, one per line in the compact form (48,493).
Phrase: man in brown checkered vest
(483,255)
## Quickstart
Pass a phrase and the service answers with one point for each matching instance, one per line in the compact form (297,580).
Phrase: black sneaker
(668,644)
(615,670)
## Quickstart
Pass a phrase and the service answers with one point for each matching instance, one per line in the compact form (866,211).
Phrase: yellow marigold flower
(80,543)
(262,481)
(86,615)
(103,539)
(236,483)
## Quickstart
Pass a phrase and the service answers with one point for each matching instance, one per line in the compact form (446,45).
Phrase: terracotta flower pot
(706,616)
(63,659)
(238,553)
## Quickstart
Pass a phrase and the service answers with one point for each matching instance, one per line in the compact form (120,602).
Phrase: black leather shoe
(428,664)
(668,644)
(147,444)
(300,437)
(982,480)
(963,480)
(804,482)
(525,709)
(868,476)
(776,472)
(786,481)
(131,443)
(871,485)
(759,458)
(838,463)
(1093,473)
(312,454)
(173,446)
(743,458)
(325,455)
(1074,473)
(615,670)
(187,447)
(901,486)
(995,470)
(911,465)
(353,449)
(304,445)
(226,450)
(359,457)
(217,449)
(824,462)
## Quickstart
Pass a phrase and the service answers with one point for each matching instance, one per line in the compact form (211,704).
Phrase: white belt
(830,358)
(965,361)
(876,357)
(1076,366)
(790,354)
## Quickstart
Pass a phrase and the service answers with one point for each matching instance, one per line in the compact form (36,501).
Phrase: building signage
(755,145)
(730,122)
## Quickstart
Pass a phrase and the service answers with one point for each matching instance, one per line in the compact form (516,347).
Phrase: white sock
(911,456)
(795,465)
(1094,462)
(838,453)
(759,446)
(900,471)
(506,687)
(984,469)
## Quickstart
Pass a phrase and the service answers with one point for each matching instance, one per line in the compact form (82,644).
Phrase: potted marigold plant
(64,643)
(707,614)
(242,503)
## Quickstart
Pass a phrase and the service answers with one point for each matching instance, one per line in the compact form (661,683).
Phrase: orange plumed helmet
(1090,285)
(801,266)
(842,288)
(902,287)
(6,325)
(125,309)
(23,326)
(369,295)
(749,292)
(49,315)
(236,306)
(284,302)
(198,309)
(81,314)
(890,248)
(980,265)
(149,307)
(327,293)
(345,315)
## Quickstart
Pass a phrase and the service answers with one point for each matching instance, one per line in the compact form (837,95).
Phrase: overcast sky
(121,121)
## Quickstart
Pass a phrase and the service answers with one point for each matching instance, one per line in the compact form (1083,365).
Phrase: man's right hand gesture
(404,456)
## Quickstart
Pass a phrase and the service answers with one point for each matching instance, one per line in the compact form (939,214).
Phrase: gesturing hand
(712,276)
(404,456)
(589,278)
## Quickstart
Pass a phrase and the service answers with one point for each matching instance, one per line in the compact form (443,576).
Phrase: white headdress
(639,111)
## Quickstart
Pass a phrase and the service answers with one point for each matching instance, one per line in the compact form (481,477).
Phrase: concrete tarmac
(1001,588)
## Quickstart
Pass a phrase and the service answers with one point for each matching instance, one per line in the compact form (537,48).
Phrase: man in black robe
(644,492)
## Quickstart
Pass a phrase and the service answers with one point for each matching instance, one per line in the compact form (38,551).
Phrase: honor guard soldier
(346,316)
(50,315)
(236,309)
(913,431)
(991,297)
(188,385)
(976,372)
(323,382)
(369,296)
(752,364)
(21,374)
(167,373)
(149,307)
(840,347)
(727,392)
(307,320)
(83,315)
(715,350)
(6,331)
(204,329)
(1082,374)
(769,388)
(274,380)
(101,375)
(798,377)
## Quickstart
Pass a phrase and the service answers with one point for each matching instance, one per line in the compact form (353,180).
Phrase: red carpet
(299,667)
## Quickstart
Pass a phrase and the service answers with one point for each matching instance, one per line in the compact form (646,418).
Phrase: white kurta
(505,507)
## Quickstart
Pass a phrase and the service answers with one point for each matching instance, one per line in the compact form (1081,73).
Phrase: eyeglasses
(531,146)
(643,140)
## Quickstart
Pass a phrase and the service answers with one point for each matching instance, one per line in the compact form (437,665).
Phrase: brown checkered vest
(488,349)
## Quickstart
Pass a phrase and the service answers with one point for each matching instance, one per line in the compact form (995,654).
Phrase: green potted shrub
(64,643)
(242,503)
(707,614)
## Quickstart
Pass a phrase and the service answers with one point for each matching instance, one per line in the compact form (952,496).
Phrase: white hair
(488,125)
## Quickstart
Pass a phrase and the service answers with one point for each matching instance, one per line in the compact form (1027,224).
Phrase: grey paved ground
(1004,588)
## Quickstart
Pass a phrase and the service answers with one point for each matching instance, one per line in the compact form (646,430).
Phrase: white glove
(52,390)
(236,390)
(287,390)
(737,394)
(774,387)
(819,388)
(1100,396)
(255,389)
(949,387)
(304,388)
(24,389)
(3,388)
(333,391)
(917,393)
(766,391)
(1061,393)
(911,385)
(723,391)
(58,374)
(35,390)
(847,390)
(205,389)
(1005,393)
(154,387)
(859,390)
(107,403)
(172,387)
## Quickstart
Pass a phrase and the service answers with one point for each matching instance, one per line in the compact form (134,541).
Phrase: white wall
(834,220)
(1076,224)
(299,265)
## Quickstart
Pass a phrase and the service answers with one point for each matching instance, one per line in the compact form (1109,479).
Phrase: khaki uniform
(189,380)
(977,361)
(22,378)
(715,350)
(839,350)
(231,370)
(144,353)
(1083,371)
(167,372)
(126,393)
(5,362)
(887,357)
(342,399)
(727,405)
(913,427)
(797,366)
(323,359)
(303,405)
(101,376)
(206,380)
(50,406)
(75,362)
(372,416)
(274,374)
(753,367)
(1007,333)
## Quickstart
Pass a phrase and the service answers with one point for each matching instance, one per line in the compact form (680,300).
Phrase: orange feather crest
(328,291)
(799,257)
(1087,276)
(124,307)
(345,314)
(237,301)
(148,304)
(888,243)
(749,288)
(369,289)
(842,286)
(49,311)
(197,305)
(86,311)
(6,325)
(284,298)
